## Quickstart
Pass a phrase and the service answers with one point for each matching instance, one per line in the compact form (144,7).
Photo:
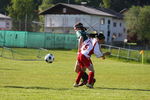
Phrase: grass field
(38,80)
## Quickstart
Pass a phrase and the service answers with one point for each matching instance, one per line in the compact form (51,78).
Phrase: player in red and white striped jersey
(89,47)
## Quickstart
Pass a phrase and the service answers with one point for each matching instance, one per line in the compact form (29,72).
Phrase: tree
(106,3)
(118,5)
(131,18)
(45,5)
(23,12)
(3,5)
(92,3)
(138,22)
(140,2)
(144,22)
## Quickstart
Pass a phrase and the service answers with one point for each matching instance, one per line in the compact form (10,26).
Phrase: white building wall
(64,20)
(118,30)
(5,24)
(64,23)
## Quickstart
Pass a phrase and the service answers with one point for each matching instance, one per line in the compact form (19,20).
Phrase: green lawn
(38,80)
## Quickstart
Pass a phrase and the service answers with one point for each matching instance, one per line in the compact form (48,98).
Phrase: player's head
(79,26)
(100,37)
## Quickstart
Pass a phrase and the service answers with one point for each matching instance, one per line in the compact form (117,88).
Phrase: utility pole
(26,18)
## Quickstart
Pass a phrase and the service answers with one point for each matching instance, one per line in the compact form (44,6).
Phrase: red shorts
(84,61)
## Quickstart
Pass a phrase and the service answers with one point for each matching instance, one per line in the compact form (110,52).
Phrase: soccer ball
(49,58)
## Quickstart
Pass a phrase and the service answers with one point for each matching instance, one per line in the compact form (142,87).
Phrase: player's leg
(84,76)
(78,67)
(80,74)
(89,66)
(91,79)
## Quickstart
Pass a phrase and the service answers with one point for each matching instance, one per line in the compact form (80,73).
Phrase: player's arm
(99,53)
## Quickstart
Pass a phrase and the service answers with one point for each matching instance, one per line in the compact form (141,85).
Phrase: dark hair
(80,25)
(91,35)
(100,36)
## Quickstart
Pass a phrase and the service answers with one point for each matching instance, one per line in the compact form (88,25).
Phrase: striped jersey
(91,46)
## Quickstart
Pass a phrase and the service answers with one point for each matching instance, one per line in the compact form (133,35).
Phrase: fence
(122,52)
(37,40)
(128,54)
(23,39)
(23,54)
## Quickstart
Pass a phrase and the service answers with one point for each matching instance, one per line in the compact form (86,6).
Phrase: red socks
(91,77)
(80,74)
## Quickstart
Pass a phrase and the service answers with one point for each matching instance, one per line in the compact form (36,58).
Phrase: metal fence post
(110,48)
(128,54)
(118,54)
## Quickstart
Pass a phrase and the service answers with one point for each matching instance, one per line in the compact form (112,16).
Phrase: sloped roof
(4,16)
(87,10)
(123,11)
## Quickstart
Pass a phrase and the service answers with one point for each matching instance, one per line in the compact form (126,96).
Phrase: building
(5,22)
(61,18)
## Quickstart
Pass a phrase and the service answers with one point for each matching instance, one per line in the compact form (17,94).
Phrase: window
(64,10)
(120,24)
(102,21)
(114,24)
(108,34)
(108,21)
(7,23)
(119,35)
(124,29)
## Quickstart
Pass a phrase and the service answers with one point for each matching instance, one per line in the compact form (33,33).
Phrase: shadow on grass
(38,88)
(7,69)
(127,89)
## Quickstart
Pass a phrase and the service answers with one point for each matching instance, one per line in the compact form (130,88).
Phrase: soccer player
(89,47)
(82,36)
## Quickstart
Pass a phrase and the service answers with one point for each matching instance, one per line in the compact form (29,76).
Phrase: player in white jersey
(89,47)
